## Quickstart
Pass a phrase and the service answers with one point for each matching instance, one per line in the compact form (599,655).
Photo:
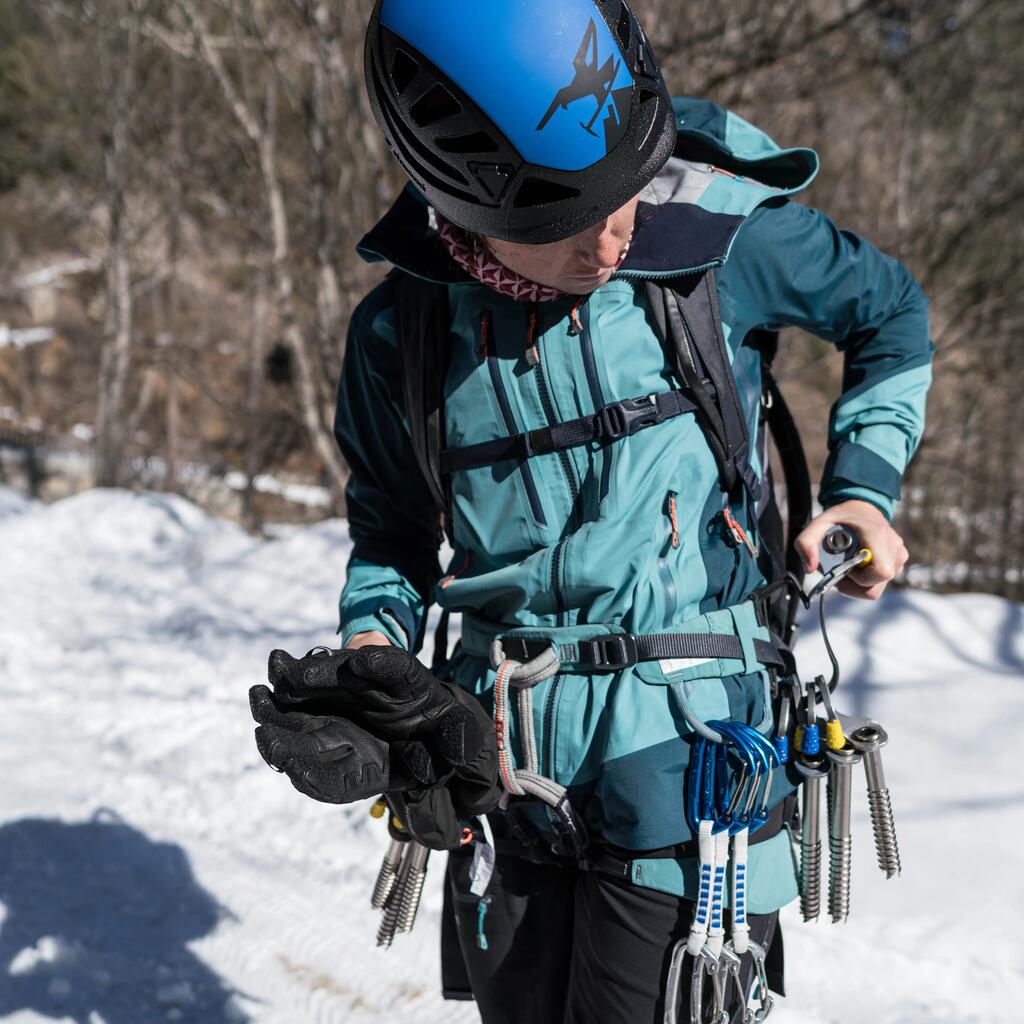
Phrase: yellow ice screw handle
(379,809)
(835,738)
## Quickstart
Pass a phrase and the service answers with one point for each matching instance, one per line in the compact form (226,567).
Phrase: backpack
(687,322)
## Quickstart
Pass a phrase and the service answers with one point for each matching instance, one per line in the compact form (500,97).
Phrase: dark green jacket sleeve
(791,266)
(391,513)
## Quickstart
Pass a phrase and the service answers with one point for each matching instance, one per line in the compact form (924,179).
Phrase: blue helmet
(524,120)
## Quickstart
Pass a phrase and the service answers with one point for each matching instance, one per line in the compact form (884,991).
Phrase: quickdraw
(717,811)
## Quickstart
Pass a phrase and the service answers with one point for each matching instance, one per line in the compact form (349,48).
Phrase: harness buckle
(622,419)
(609,653)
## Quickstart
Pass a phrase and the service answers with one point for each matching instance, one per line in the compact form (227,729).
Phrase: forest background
(183,183)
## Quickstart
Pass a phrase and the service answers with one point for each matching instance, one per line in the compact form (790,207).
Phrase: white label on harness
(678,664)
(482,869)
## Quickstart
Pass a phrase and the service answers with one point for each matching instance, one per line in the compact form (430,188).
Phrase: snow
(153,869)
(24,338)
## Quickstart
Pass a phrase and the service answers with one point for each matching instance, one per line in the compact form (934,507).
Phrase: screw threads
(839,869)
(810,880)
(385,885)
(389,924)
(409,900)
(882,824)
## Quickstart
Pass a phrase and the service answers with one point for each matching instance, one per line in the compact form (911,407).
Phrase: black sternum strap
(610,423)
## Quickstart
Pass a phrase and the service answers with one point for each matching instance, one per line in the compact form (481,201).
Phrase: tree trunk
(115,359)
(254,442)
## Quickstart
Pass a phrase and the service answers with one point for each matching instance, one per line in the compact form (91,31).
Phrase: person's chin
(583,284)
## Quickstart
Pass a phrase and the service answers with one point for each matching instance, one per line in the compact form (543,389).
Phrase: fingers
(808,544)
(388,668)
(329,760)
(337,783)
(265,710)
(851,588)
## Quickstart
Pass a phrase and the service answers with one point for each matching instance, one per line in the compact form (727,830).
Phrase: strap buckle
(609,653)
(622,419)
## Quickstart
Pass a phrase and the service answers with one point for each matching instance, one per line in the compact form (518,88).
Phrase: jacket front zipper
(564,460)
(596,392)
(532,495)
(668,583)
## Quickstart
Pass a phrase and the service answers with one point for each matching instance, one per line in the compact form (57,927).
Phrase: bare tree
(118,52)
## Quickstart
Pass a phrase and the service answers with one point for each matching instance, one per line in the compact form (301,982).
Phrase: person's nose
(604,248)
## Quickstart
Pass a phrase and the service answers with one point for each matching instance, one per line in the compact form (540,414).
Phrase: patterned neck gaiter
(483,267)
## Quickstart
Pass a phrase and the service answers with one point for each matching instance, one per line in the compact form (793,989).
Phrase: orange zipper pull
(532,351)
(575,324)
(672,512)
(739,535)
(452,577)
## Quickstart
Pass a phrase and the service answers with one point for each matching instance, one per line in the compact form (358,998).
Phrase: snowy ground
(152,868)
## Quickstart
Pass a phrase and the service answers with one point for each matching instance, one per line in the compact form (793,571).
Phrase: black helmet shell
(524,120)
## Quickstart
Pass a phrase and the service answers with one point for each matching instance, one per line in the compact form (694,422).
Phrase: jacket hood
(722,169)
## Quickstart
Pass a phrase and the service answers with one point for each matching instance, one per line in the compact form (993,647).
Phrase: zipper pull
(739,535)
(481,938)
(485,336)
(532,351)
(671,511)
(575,324)
(455,574)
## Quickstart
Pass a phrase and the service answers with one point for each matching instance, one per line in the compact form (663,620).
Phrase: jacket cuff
(395,621)
(856,472)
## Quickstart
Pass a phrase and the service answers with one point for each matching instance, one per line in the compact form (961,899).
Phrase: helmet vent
(624,29)
(434,106)
(413,154)
(537,192)
(478,142)
(403,70)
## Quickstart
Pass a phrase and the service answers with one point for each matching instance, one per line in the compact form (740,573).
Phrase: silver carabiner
(760,1015)
(729,969)
(706,965)
(675,972)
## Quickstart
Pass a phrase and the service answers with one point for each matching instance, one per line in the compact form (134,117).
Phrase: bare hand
(889,553)
(373,638)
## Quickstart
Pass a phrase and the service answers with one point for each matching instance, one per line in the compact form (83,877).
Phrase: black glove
(345,726)
(330,758)
(387,691)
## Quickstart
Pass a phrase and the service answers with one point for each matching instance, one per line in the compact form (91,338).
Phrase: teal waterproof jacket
(632,536)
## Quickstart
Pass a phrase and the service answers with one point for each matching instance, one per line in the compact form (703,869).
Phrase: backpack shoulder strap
(687,319)
(423,327)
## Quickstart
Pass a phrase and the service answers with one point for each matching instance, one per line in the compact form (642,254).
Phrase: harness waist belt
(623,650)
(610,423)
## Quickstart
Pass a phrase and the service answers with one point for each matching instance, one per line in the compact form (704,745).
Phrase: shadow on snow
(97,922)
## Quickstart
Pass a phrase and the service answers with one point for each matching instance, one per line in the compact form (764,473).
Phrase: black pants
(566,946)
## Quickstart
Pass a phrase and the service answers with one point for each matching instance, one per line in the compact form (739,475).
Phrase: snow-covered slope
(152,868)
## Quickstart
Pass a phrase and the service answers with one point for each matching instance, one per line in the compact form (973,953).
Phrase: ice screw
(840,839)
(813,768)
(869,740)
(388,874)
